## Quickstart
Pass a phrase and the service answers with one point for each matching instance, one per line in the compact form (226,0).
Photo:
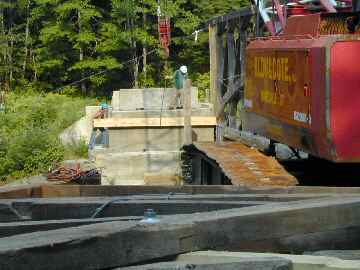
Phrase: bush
(77,150)
(202,82)
(30,128)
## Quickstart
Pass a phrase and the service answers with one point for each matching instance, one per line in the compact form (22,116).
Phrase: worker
(104,134)
(180,76)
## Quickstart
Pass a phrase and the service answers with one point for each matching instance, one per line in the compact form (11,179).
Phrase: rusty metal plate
(246,166)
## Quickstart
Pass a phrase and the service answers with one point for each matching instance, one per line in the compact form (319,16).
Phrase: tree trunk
(144,57)
(136,72)
(11,50)
(135,65)
(33,58)
(136,60)
(3,45)
(26,37)
(81,56)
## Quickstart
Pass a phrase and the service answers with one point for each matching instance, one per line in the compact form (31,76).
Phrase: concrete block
(147,99)
(129,168)
(205,110)
(155,139)
(161,179)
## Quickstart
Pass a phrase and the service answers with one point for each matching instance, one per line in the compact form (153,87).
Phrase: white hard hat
(183,69)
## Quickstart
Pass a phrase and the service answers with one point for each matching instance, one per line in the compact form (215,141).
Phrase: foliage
(76,150)
(202,81)
(54,43)
(30,128)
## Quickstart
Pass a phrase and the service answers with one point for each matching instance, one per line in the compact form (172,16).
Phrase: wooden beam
(231,75)
(197,121)
(215,66)
(187,113)
(233,15)
(59,191)
(108,245)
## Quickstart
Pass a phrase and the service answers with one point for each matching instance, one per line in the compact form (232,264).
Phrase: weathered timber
(42,209)
(219,263)
(8,213)
(23,191)
(56,191)
(216,52)
(234,15)
(197,121)
(344,238)
(125,243)
(341,254)
(187,113)
(92,246)
(14,228)
(299,262)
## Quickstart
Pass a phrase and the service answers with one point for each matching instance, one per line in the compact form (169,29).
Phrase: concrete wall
(131,168)
(205,110)
(147,99)
(155,139)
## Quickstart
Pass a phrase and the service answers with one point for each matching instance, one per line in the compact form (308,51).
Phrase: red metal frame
(329,97)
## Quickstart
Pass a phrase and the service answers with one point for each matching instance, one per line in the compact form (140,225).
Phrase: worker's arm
(100,114)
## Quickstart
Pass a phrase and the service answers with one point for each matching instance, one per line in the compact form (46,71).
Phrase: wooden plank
(72,208)
(14,228)
(231,74)
(48,191)
(21,191)
(187,113)
(102,246)
(196,121)
(303,262)
(215,47)
(53,191)
(233,15)
(218,263)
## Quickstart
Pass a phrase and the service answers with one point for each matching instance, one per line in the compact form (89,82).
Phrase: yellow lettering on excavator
(273,68)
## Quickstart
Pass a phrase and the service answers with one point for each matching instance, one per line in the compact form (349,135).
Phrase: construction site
(263,175)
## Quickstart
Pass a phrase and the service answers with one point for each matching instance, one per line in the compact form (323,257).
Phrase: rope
(106,204)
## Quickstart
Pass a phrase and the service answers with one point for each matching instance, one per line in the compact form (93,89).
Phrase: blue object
(149,217)
(104,138)
(92,139)
(104,106)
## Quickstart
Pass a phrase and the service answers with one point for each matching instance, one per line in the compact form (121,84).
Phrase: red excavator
(302,83)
